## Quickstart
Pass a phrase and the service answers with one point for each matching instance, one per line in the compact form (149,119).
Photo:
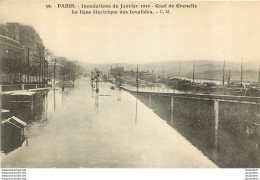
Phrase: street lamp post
(28,66)
(78,71)
(54,71)
(62,77)
(47,75)
(97,81)
(44,70)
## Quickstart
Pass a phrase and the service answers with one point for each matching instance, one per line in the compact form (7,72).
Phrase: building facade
(22,54)
(11,57)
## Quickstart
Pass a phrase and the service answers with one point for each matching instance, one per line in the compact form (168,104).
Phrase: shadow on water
(97,100)
(34,117)
(10,144)
(136,109)
(232,145)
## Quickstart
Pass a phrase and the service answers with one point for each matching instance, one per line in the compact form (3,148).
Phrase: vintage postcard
(130,84)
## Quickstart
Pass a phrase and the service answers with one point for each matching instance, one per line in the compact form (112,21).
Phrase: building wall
(23,43)
(11,57)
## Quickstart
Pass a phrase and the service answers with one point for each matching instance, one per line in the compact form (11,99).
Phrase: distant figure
(73,79)
(63,86)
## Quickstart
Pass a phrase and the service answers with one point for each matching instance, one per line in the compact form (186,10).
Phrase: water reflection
(74,135)
(136,108)
(97,100)
(50,125)
(37,113)
(119,94)
(10,144)
(54,100)
(36,116)
(92,92)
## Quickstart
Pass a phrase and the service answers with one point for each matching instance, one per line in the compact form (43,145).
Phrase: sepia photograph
(131,84)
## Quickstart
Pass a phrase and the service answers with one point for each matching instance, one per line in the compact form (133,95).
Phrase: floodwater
(78,127)
(234,144)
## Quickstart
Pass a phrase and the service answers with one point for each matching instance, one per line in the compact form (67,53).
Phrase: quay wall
(225,128)
(238,114)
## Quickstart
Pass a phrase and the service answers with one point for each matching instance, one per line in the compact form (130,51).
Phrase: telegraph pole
(163,71)
(136,94)
(223,78)
(241,73)
(193,77)
(97,80)
(137,83)
(54,71)
(179,69)
(28,66)
(47,72)
(62,76)
(40,64)
(259,76)
(78,71)
(43,70)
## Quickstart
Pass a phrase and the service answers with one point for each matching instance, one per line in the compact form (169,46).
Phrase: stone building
(31,52)
(11,57)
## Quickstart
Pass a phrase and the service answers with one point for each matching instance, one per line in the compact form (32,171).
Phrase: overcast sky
(215,30)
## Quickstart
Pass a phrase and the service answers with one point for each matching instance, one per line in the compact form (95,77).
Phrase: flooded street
(79,128)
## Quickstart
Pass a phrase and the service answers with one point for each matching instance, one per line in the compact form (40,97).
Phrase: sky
(213,31)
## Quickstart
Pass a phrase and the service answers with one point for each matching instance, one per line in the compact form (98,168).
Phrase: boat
(179,84)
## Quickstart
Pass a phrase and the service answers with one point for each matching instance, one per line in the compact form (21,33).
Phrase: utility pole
(62,77)
(179,69)
(137,83)
(43,70)
(28,67)
(97,80)
(259,75)
(40,64)
(242,73)
(92,79)
(62,73)
(223,78)
(193,77)
(78,70)
(54,71)
(229,77)
(47,72)
(136,94)
(163,71)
